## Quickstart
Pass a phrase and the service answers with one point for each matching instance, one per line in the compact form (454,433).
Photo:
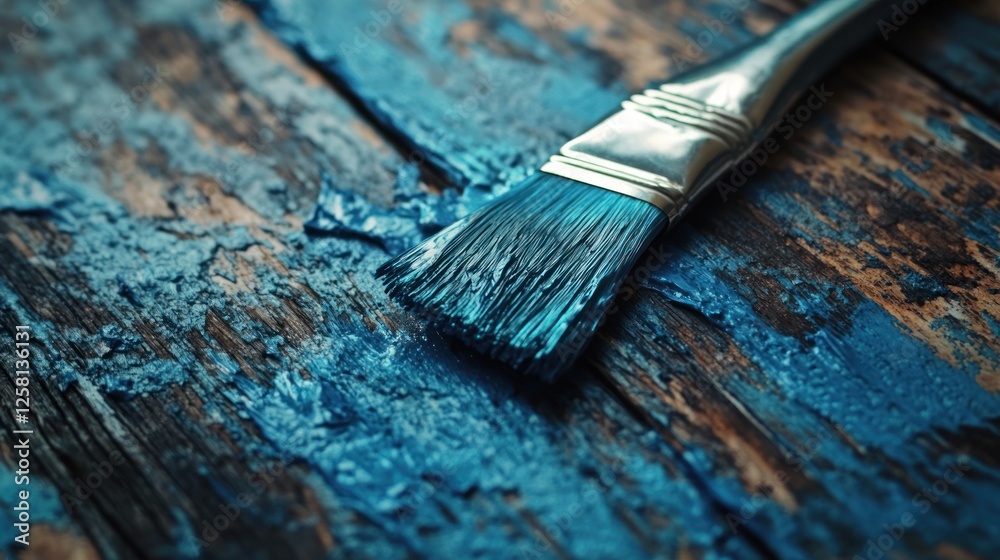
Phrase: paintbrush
(528,277)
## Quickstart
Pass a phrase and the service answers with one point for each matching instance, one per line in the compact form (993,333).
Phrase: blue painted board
(190,220)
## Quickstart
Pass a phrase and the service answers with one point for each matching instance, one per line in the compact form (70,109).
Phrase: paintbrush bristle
(527,278)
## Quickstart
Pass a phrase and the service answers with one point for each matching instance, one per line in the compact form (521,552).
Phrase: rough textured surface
(963,57)
(817,359)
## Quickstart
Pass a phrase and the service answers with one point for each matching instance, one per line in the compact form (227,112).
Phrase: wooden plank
(851,284)
(833,322)
(958,43)
(236,373)
(126,261)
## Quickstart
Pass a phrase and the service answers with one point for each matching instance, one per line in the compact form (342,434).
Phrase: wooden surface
(817,358)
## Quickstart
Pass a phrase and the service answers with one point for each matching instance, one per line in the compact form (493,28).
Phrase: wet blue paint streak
(869,377)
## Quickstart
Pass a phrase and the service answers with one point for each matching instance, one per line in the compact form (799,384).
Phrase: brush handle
(668,145)
(760,82)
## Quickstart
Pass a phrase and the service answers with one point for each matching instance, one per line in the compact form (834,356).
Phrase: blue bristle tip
(527,278)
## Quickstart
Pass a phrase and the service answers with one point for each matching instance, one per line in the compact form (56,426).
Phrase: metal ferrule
(668,145)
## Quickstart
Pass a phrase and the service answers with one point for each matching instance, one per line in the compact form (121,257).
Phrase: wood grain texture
(956,44)
(801,364)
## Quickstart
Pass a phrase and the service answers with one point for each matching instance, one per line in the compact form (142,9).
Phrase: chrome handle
(668,145)
(762,80)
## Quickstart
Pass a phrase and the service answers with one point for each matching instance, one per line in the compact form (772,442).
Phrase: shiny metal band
(667,145)
(661,148)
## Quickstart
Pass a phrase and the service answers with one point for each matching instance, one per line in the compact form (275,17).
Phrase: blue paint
(410,443)
(463,123)
(128,377)
(940,128)
(837,357)
(778,192)
(527,278)
(833,131)
(385,422)
(984,126)
(388,420)
(118,341)
(957,45)
(901,176)
(27,194)
(993,322)
(918,288)
(382,414)
(417,214)
(871,261)
(866,375)
(848,351)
